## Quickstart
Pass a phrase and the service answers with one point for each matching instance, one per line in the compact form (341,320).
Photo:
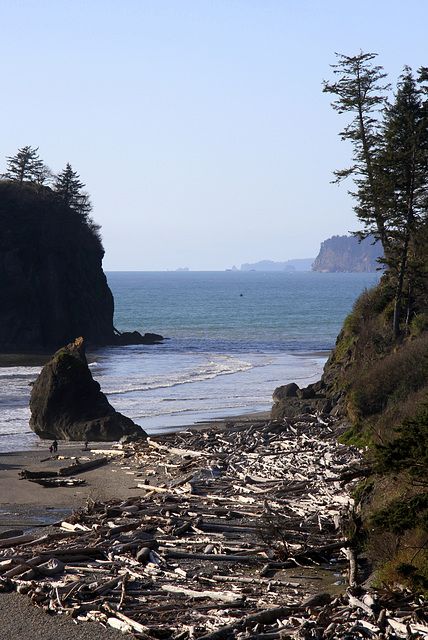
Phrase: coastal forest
(379,366)
(52,285)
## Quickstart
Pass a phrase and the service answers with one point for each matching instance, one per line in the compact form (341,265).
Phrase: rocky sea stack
(66,402)
(52,285)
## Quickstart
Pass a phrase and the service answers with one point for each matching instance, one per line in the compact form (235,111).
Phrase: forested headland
(52,285)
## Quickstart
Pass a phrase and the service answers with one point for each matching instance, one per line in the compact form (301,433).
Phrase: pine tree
(402,165)
(390,167)
(360,91)
(27,166)
(68,189)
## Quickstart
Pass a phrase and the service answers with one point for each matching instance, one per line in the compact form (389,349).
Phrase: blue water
(232,338)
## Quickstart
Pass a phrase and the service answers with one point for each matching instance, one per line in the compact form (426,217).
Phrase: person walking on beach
(55,446)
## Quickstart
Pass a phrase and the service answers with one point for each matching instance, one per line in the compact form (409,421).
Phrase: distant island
(345,254)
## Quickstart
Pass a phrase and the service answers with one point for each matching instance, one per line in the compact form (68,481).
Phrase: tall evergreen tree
(26,165)
(360,91)
(68,188)
(390,167)
(402,165)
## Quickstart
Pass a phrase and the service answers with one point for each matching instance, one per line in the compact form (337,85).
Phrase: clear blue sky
(199,126)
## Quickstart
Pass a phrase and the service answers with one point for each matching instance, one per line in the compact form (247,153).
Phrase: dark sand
(21,620)
(27,505)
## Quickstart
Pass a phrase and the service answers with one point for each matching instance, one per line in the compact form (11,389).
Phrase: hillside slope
(379,385)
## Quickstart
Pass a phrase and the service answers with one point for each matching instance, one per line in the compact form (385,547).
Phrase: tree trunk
(399,289)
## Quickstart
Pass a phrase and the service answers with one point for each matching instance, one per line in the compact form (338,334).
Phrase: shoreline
(40,359)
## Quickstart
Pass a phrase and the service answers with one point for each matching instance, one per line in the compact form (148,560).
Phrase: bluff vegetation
(377,374)
(52,285)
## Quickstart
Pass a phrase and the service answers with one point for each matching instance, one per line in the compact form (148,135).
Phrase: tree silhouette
(26,165)
(68,188)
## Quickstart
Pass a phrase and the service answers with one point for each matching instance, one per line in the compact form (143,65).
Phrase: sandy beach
(26,505)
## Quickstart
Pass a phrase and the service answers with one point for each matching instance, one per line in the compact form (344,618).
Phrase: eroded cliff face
(344,254)
(52,285)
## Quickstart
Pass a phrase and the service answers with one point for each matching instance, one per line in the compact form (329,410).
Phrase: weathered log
(176,451)
(82,466)
(223,596)
(72,469)
(106,586)
(140,628)
(264,617)
(214,557)
(350,554)
(57,482)
(244,580)
(26,474)
(12,533)
(17,540)
(21,567)
(348,476)
(355,602)
(50,568)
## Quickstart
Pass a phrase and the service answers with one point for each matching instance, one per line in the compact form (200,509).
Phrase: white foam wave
(19,372)
(225,365)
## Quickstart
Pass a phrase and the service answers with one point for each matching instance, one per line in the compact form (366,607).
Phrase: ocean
(232,337)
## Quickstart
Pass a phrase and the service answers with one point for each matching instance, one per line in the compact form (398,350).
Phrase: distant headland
(338,254)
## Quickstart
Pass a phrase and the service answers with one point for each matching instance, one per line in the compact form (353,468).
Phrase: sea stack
(67,403)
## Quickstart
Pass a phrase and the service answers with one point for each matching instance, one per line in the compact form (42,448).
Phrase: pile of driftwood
(228,539)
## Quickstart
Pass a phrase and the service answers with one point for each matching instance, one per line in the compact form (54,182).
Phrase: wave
(17,432)
(19,372)
(191,410)
(224,365)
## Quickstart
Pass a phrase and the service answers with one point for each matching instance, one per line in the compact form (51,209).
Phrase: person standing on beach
(55,446)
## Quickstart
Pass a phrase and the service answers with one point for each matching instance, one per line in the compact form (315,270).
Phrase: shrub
(389,380)
(401,515)
(419,324)
(408,451)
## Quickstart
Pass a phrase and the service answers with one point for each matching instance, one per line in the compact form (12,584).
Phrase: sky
(198,126)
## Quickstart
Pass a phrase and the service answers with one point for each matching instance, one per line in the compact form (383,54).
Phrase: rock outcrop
(135,337)
(290,401)
(67,403)
(52,284)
